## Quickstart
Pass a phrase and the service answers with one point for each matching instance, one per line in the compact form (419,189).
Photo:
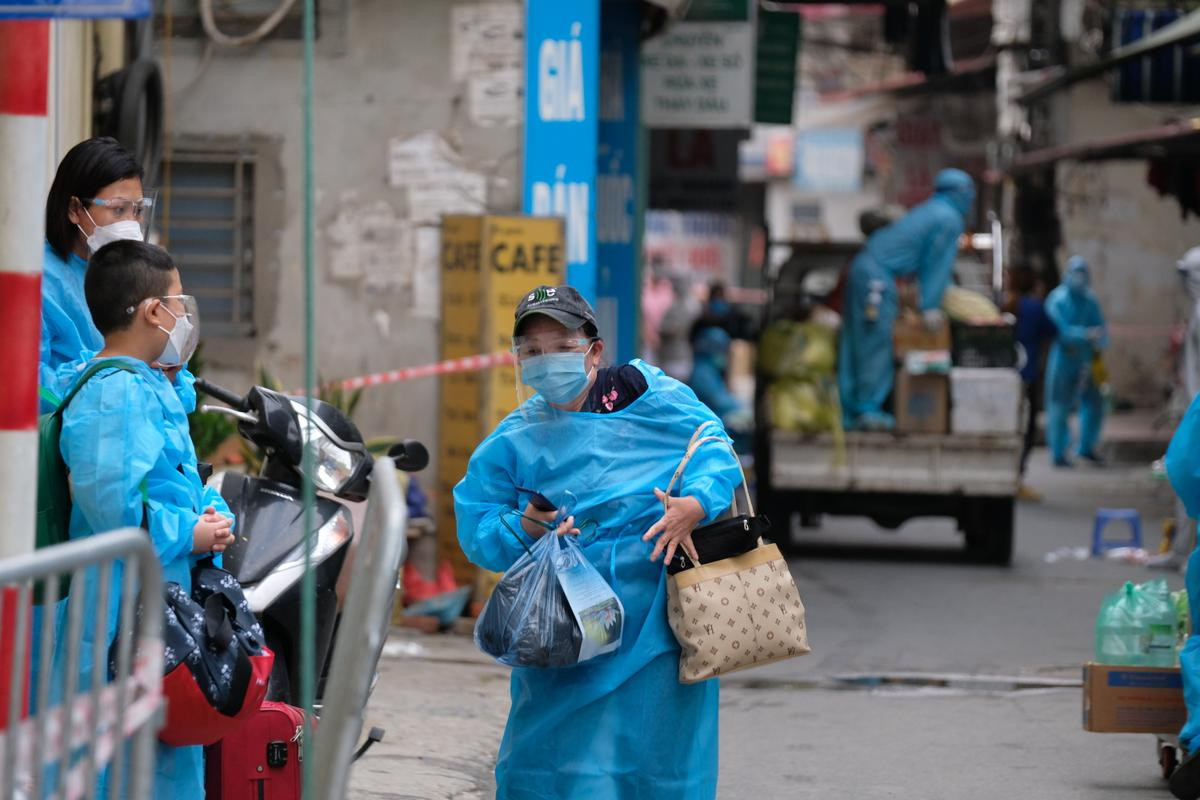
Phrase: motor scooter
(267,555)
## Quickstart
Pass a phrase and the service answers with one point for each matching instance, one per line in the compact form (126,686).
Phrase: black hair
(1024,280)
(84,171)
(120,276)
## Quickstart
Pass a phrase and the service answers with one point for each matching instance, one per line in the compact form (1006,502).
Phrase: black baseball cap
(563,304)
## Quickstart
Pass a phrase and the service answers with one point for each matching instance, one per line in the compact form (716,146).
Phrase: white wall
(1131,236)
(383,71)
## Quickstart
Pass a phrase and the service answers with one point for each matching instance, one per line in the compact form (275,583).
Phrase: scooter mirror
(409,455)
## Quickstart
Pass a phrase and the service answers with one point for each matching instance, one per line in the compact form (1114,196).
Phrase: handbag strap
(699,439)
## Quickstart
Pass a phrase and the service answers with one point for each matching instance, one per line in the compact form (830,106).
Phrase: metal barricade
(366,615)
(59,735)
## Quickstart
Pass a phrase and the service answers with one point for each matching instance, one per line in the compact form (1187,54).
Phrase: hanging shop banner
(74,9)
(618,224)
(829,160)
(694,170)
(699,75)
(775,66)
(561,125)
(702,246)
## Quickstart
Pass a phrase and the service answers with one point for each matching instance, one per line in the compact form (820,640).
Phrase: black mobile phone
(538,500)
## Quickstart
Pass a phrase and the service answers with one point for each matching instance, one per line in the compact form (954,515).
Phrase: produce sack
(551,609)
(964,305)
(790,349)
(1138,626)
(804,406)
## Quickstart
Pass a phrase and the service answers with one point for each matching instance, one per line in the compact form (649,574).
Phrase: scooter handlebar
(224,395)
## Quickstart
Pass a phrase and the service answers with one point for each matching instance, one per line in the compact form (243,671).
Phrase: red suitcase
(259,761)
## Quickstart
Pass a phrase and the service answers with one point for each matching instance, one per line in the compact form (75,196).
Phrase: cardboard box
(910,334)
(922,403)
(986,402)
(1132,699)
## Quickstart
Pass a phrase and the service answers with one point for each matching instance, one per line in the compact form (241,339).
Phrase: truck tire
(989,529)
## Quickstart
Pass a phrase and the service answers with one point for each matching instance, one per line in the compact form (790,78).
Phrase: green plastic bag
(1138,626)
(790,349)
(1184,614)
(805,406)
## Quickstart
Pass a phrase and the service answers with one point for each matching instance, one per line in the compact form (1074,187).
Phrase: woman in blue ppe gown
(96,197)
(127,445)
(709,365)
(923,243)
(621,725)
(1082,335)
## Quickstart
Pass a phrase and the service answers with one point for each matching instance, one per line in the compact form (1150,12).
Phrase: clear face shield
(124,210)
(552,371)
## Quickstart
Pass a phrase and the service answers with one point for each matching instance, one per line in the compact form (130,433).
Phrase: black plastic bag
(528,621)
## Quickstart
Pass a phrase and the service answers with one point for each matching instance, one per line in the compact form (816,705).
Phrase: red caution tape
(468,364)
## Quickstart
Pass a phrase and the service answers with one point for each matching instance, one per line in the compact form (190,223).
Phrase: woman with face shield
(97,197)
(619,725)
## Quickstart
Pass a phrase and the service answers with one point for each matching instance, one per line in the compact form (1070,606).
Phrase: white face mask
(106,234)
(177,349)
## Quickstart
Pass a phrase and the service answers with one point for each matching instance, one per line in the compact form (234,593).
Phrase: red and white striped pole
(24,63)
(24,68)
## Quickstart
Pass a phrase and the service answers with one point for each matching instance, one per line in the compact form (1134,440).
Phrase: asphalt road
(930,677)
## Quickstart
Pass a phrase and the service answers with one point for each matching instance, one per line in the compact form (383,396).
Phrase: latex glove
(933,319)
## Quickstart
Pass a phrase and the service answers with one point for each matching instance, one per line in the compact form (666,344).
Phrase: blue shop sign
(74,9)
(561,112)
(618,236)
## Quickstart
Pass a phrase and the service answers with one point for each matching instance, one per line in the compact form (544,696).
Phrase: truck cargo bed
(982,466)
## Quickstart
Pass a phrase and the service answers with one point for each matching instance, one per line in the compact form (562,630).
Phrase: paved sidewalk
(879,603)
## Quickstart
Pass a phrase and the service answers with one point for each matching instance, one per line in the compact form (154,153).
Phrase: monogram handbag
(739,607)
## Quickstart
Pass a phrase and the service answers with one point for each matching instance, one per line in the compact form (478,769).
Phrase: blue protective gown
(923,243)
(67,328)
(1183,468)
(711,347)
(1069,370)
(120,432)
(68,333)
(619,726)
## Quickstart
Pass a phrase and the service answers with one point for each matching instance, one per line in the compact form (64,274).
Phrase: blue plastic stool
(1107,515)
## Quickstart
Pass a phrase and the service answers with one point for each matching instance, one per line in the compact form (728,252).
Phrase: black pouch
(724,538)
(737,533)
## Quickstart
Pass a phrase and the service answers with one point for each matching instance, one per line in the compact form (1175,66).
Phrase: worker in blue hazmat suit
(620,725)
(1082,335)
(710,364)
(96,198)
(126,444)
(1183,469)
(922,243)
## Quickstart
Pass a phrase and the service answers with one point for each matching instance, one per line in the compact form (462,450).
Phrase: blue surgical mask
(558,377)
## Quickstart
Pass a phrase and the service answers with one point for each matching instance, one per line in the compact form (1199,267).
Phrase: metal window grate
(209,230)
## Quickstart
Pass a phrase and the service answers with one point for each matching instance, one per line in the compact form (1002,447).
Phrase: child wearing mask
(126,444)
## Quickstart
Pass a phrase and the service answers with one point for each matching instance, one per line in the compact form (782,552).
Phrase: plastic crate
(993,346)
